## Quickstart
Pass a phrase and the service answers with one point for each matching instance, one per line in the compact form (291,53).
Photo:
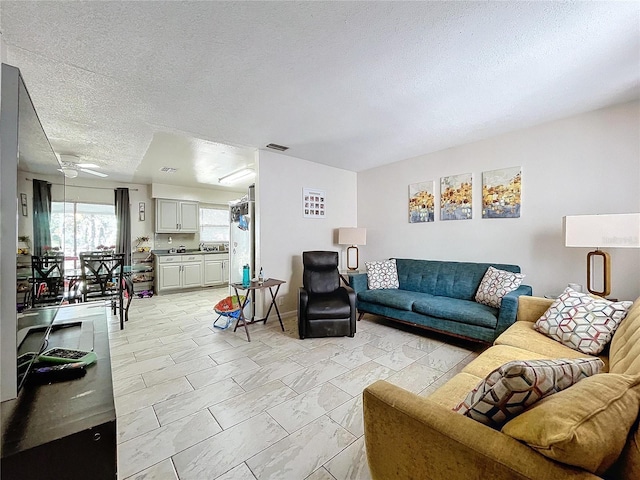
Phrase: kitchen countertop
(189,252)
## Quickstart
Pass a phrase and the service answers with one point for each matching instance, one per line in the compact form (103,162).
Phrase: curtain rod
(85,186)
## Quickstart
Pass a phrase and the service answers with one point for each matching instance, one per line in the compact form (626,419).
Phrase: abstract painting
(421,202)
(455,197)
(501,190)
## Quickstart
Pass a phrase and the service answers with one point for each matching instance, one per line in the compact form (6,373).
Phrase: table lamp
(352,236)
(596,231)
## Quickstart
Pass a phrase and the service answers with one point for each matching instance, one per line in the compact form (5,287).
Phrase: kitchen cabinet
(216,270)
(176,272)
(176,216)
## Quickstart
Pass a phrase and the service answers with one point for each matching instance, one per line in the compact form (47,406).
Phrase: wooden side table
(267,284)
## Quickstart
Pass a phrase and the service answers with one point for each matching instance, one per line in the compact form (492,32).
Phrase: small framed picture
(141,211)
(313,204)
(23,204)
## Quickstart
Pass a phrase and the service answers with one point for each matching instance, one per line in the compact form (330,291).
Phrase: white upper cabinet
(176,216)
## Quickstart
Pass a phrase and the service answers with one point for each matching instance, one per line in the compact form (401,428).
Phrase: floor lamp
(596,231)
(353,237)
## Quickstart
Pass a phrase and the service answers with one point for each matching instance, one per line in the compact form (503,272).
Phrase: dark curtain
(123,218)
(41,216)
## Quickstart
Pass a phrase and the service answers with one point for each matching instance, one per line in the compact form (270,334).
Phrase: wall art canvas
(421,202)
(501,193)
(313,203)
(455,197)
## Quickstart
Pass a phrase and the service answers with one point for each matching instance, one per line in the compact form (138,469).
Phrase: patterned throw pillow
(382,274)
(581,321)
(496,284)
(511,388)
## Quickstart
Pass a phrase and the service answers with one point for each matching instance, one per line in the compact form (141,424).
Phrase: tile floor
(194,402)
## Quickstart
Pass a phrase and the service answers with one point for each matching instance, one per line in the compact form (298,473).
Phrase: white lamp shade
(613,231)
(352,236)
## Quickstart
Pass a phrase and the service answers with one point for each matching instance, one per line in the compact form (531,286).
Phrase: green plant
(25,239)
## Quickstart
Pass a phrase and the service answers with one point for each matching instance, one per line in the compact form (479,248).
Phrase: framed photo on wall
(314,203)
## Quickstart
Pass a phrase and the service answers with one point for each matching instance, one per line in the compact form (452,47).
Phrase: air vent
(275,146)
(168,170)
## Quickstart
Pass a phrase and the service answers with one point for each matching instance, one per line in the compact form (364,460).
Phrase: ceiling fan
(70,168)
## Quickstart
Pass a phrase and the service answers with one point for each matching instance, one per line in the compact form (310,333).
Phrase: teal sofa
(439,296)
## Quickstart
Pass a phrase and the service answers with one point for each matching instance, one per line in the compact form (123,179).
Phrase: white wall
(283,233)
(584,164)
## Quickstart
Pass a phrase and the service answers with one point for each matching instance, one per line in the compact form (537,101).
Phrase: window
(214,224)
(86,225)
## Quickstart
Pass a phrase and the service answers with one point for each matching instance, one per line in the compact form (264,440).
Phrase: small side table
(270,284)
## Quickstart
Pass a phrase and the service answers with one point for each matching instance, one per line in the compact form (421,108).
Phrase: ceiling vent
(275,146)
(168,170)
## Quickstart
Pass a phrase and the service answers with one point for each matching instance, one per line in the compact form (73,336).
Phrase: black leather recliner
(325,309)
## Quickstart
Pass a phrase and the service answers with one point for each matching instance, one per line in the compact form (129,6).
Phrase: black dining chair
(102,277)
(47,278)
(325,309)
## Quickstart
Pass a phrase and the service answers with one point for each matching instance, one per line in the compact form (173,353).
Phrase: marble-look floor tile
(136,423)
(161,375)
(303,409)
(137,368)
(165,350)
(220,372)
(415,378)
(160,471)
(191,402)
(135,346)
(146,450)
(149,396)
(351,463)
(312,356)
(266,374)
(121,360)
(198,351)
(400,357)
(320,474)
(246,350)
(302,452)
(358,356)
(218,454)
(425,344)
(242,407)
(354,381)
(194,335)
(317,374)
(352,342)
(349,415)
(444,357)
(241,472)
(127,385)
(389,342)
(276,353)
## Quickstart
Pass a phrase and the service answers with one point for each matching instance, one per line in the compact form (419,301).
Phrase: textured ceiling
(132,86)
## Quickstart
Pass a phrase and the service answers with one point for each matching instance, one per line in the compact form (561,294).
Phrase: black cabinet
(65,430)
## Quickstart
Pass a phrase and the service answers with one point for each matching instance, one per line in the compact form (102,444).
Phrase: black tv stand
(67,429)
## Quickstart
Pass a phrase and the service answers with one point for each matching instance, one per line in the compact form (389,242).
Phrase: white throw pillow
(382,274)
(496,284)
(581,321)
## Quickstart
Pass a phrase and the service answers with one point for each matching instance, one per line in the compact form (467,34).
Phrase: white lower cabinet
(178,271)
(216,271)
(175,272)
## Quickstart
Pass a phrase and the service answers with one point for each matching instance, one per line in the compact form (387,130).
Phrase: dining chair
(102,278)
(47,279)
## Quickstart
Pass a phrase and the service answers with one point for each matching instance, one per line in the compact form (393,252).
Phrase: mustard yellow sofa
(412,437)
